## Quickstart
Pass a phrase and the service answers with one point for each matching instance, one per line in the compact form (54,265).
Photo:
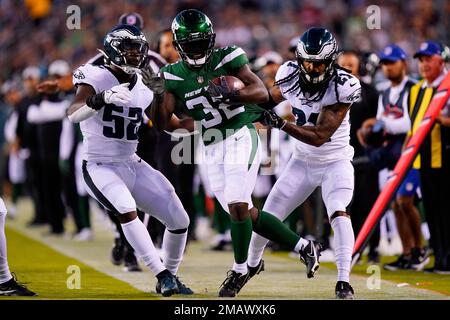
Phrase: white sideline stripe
(170,76)
(229,57)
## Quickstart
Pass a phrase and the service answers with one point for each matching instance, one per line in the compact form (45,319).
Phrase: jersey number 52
(114,114)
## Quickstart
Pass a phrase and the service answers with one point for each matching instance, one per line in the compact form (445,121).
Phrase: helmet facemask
(317,46)
(126,51)
(196,49)
(193,37)
(314,77)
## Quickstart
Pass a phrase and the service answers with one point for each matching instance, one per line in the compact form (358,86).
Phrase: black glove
(270,118)
(153,81)
(222,93)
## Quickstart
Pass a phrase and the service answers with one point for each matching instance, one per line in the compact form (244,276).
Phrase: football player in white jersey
(8,283)
(320,94)
(109,104)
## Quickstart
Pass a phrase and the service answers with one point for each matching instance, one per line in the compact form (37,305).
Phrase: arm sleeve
(47,111)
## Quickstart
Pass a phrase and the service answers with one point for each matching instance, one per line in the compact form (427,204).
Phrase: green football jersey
(189,85)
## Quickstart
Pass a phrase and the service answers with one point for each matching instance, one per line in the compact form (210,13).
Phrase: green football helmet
(193,37)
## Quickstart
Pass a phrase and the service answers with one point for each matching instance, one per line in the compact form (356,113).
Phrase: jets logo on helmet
(193,36)
(125,46)
(316,45)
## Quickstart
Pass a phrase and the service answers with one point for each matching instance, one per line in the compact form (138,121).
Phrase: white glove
(118,95)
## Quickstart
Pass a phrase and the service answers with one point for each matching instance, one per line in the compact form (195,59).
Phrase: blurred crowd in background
(35,45)
(34,32)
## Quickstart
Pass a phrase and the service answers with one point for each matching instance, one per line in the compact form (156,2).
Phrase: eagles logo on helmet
(126,47)
(317,45)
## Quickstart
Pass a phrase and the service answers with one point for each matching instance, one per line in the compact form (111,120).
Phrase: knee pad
(336,205)
(180,218)
(338,200)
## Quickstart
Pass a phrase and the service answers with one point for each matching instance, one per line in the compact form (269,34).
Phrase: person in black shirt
(366,175)
(27,138)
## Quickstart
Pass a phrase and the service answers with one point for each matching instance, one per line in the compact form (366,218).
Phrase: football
(232,82)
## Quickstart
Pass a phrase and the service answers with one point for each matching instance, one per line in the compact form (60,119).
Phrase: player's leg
(105,182)
(242,160)
(404,260)
(407,193)
(83,197)
(231,165)
(292,188)
(155,195)
(337,192)
(8,285)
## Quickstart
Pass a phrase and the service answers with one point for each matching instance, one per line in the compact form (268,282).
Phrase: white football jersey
(344,88)
(111,134)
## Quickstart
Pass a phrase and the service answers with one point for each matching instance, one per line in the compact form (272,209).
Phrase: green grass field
(42,262)
(44,271)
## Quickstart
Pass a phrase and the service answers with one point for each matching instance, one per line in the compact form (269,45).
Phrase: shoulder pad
(348,86)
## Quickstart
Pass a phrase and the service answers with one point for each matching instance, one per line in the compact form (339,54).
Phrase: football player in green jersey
(232,152)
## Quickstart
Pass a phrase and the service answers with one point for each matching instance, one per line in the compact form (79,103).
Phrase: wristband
(96,101)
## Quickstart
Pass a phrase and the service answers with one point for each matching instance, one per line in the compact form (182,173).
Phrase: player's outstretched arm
(275,97)
(177,123)
(330,118)
(161,110)
(254,90)
(87,103)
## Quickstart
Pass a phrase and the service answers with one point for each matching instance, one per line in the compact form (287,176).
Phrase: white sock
(256,249)
(5,274)
(301,244)
(172,250)
(240,267)
(138,237)
(344,240)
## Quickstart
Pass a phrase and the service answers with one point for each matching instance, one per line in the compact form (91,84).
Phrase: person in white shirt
(394,118)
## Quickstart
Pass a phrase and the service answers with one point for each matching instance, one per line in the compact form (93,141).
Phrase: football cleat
(253,271)
(131,263)
(402,263)
(419,259)
(181,287)
(168,284)
(117,252)
(222,245)
(344,291)
(309,255)
(233,283)
(14,288)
